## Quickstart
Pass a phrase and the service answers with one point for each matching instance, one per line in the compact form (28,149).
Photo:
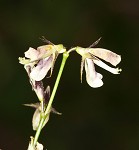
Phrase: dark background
(105,118)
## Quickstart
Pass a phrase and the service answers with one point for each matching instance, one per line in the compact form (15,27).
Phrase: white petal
(106,67)
(106,55)
(40,71)
(32,54)
(92,77)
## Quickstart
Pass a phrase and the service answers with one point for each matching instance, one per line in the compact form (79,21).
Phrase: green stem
(65,56)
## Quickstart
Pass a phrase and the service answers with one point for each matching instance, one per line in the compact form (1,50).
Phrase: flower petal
(92,77)
(45,50)
(40,71)
(106,55)
(106,67)
(32,54)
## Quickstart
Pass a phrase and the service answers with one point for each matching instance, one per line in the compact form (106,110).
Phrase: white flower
(90,56)
(41,60)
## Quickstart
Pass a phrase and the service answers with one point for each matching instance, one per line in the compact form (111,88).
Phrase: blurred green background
(105,118)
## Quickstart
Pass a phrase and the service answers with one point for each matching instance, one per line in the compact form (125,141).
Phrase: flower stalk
(44,116)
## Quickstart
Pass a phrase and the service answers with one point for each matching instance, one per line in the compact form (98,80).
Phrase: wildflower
(41,60)
(90,56)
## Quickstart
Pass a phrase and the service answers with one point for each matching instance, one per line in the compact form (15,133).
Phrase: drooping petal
(40,71)
(93,78)
(106,67)
(106,55)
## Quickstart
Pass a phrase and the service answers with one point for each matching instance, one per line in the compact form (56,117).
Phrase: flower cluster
(38,62)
